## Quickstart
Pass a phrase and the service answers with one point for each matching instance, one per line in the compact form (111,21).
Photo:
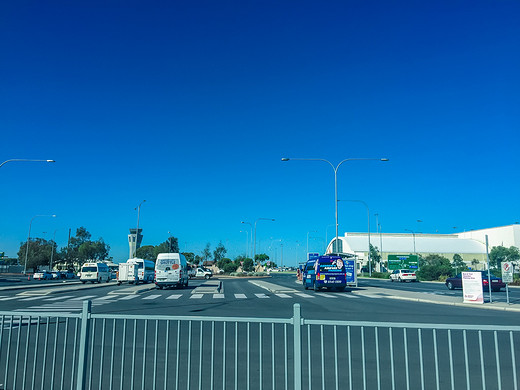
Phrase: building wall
(499,236)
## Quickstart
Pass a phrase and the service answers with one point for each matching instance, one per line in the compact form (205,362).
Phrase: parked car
(68,275)
(403,275)
(42,275)
(57,275)
(496,283)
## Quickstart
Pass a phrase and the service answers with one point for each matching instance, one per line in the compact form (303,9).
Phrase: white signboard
(507,272)
(472,287)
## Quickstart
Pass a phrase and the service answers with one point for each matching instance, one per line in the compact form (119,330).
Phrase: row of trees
(42,253)
(437,267)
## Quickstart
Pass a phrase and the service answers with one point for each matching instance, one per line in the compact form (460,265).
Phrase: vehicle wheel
(186,284)
(206,277)
(159,287)
(108,280)
(450,285)
(83,282)
(316,288)
(400,280)
(391,279)
(305,286)
(341,288)
(119,283)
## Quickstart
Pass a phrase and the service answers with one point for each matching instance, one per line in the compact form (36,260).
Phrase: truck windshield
(89,269)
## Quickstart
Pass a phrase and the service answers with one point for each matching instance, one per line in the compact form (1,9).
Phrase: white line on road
(261,296)
(304,295)
(152,297)
(58,298)
(240,296)
(30,299)
(174,296)
(283,295)
(127,297)
(326,295)
(84,298)
(349,296)
(218,296)
(196,296)
(8,298)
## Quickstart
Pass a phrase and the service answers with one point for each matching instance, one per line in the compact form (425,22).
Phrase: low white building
(471,245)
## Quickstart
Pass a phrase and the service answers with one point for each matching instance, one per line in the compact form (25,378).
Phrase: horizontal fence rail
(103,351)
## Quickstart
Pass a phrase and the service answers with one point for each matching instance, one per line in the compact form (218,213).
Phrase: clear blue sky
(191,105)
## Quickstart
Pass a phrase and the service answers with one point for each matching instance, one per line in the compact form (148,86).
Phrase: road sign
(507,272)
(472,287)
(312,256)
(403,261)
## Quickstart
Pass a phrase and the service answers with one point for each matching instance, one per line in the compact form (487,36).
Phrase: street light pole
(138,208)
(413,235)
(254,243)
(29,237)
(368,217)
(251,236)
(335,169)
(247,241)
(25,159)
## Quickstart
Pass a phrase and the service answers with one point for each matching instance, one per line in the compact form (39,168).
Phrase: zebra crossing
(71,304)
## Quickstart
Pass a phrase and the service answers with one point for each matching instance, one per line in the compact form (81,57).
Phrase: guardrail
(107,351)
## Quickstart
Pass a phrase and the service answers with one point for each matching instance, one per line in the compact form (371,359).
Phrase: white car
(200,272)
(42,275)
(403,275)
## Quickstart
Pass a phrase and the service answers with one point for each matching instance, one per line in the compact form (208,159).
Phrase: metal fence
(103,351)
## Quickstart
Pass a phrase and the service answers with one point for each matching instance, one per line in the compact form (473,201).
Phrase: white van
(145,269)
(94,272)
(171,270)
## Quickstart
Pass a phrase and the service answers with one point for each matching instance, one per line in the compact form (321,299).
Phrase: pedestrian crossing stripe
(304,295)
(174,296)
(283,295)
(218,296)
(128,297)
(152,296)
(326,295)
(263,296)
(196,296)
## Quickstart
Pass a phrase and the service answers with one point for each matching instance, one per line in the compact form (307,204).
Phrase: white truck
(127,273)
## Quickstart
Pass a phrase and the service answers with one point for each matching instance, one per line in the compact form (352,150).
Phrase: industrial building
(470,245)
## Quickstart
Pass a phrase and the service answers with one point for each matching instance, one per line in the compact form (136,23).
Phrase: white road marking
(127,297)
(58,298)
(196,296)
(30,299)
(218,296)
(8,298)
(261,296)
(83,298)
(349,295)
(174,296)
(304,295)
(240,296)
(283,295)
(326,295)
(152,297)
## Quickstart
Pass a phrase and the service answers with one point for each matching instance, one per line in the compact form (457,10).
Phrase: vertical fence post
(83,340)
(297,333)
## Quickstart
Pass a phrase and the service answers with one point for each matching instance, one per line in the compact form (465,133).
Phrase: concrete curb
(460,304)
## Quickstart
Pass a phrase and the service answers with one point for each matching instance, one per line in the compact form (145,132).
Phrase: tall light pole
(254,243)
(368,217)
(309,232)
(251,236)
(335,169)
(25,159)
(29,237)
(247,241)
(138,208)
(413,234)
(379,230)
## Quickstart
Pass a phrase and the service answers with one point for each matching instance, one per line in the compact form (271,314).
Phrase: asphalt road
(243,298)
(235,349)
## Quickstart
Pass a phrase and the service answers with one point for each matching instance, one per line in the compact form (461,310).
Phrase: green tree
(458,263)
(190,256)
(498,254)
(474,262)
(197,260)
(206,253)
(219,252)
(261,258)
(38,253)
(146,252)
(375,256)
(222,262)
(248,265)
(433,267)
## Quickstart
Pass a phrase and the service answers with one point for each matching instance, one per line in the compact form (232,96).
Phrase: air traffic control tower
(134,241)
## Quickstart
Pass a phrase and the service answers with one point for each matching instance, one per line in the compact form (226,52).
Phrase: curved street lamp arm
(24,159)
